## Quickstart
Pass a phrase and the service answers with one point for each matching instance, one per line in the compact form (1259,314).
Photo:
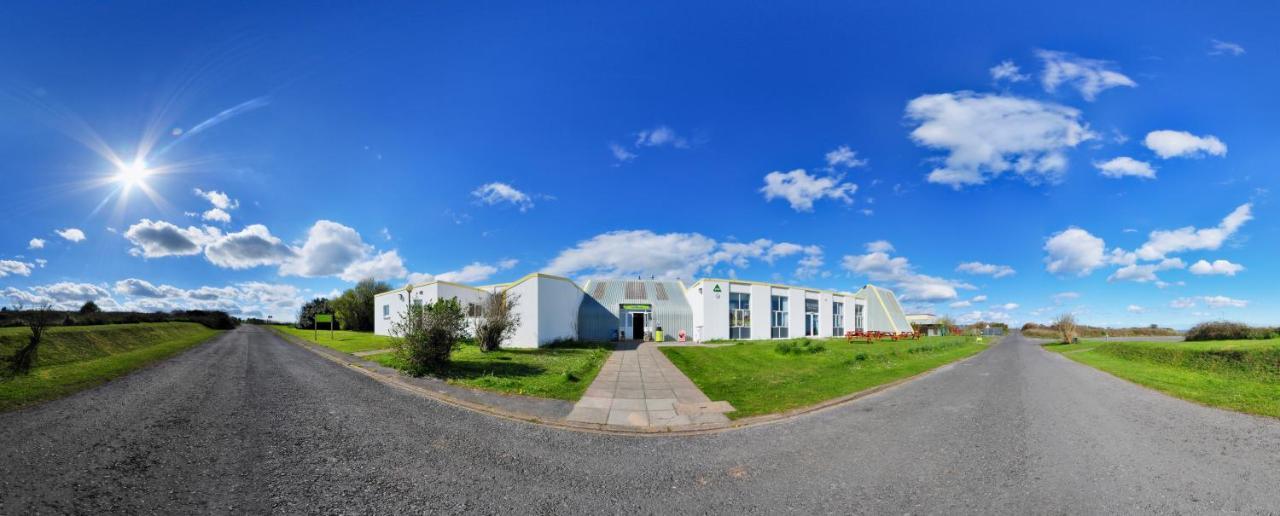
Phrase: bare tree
(1066,326)
(497,320)
(37,320)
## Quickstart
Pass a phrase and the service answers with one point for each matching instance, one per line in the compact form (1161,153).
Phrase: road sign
(324,318)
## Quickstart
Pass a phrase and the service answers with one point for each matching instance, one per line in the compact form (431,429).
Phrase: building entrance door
(637,326)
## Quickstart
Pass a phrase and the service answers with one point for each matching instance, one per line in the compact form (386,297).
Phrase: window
(386,311)
(474,310)
(810,317)
(778,324)
(739,315)
(857,317)
(837,319)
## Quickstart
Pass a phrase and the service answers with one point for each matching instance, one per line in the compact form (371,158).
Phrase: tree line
(353,309)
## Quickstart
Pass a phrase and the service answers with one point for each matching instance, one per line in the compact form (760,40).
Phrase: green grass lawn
(78,357)
(757,379)
(344,341)
(1241,375)
(559,372)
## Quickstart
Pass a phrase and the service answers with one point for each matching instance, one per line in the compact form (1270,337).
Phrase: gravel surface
(251,424)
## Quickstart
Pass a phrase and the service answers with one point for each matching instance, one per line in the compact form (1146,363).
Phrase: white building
(553,308)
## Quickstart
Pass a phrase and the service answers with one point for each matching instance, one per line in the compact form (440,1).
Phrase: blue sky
(998,162)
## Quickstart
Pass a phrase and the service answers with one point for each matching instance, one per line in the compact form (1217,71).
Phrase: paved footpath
(639,386)
(250,424)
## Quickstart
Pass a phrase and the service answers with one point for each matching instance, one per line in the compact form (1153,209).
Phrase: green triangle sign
(716,289)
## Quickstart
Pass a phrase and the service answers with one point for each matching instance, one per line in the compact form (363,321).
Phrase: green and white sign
(637,307)
(716,289)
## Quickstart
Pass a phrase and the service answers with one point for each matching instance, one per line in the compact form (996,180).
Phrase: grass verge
(1240,375)
(79,357)
(559,372)
(766,377)
(344,341)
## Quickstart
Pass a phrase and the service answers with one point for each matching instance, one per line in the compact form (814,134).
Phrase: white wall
(558,301)
(429,293)
(526,335)
(760,311)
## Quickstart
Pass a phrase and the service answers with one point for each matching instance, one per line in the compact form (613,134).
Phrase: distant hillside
(1046,331)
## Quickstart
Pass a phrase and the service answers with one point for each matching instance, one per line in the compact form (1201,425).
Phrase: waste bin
(657,335)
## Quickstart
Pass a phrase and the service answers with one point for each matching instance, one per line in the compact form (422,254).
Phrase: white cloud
(1009,307)
(475,272)
(900,275)
(1219,48)
(879,246)
(1210,301)
(1135,309)
(1074,251)
(1008,71)
(142,288)
(63,295)
(988,135)
(843,156)
(253,246)
(329,249)
(1220,267)
(1125,166)
(643,253)
(1089,76)
(1163,242)
(495,193)
(14,267)
(1143,273)
(660,136)
(960,304)
(980,299)
(621,153)
(36,243)
(71,234)
(218,199)
(385,265)
(979,315)
(1064,296)
(1181,144)
(222,205)
(217,215)
(801,189)
(1224,302)
(986,269)
(155,239)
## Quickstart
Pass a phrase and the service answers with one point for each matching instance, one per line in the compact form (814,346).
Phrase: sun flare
(131,174)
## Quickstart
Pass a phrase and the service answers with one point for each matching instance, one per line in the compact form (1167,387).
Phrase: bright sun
(132,173)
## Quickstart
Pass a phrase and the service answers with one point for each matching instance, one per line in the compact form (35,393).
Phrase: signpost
(327,318)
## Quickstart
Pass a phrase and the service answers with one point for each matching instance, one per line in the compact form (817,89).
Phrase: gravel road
(251,424)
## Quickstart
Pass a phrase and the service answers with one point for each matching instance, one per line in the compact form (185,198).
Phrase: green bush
(1227,330)
(799,347)
(426,335)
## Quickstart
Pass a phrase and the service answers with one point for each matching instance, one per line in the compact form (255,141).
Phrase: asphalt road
(252,424)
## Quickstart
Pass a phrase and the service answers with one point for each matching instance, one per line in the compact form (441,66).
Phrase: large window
(386,311)
(739,315)
(837,319)
(857,317)
(810,317)
(778,324)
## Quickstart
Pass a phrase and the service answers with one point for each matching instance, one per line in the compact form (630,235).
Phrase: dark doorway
(637,326)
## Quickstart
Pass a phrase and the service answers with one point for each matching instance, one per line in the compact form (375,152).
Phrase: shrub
(426,335)
(497,321)
(1066,326)
(1227,330)
(799,347)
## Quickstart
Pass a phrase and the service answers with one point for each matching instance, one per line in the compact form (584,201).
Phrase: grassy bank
(1241,375)
(559,372)
(78,357)
(764,377)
